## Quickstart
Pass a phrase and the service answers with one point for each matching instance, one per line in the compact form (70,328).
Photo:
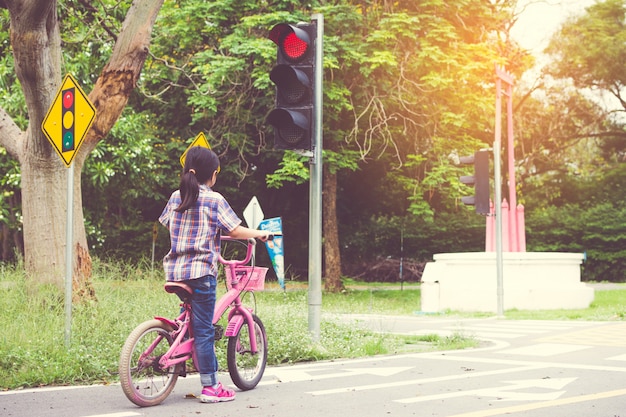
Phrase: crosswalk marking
(544,349)
(611,334)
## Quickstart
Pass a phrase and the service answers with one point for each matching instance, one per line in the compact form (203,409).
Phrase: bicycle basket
(256,275)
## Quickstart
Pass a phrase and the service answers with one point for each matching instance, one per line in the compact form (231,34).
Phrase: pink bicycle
(156,352)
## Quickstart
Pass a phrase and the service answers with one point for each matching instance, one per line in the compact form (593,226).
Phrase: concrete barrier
(531,281)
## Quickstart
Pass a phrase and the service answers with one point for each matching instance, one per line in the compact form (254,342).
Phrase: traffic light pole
(315,193)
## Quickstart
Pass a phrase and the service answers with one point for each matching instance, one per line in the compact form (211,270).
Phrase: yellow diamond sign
(200,140)
(68,119)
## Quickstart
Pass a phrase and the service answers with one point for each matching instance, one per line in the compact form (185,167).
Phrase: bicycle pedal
(183,370)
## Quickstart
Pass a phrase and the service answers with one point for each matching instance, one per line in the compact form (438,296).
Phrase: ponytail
(200,164)
(189,191)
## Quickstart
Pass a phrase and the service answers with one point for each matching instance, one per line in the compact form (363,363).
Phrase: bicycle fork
(237,317)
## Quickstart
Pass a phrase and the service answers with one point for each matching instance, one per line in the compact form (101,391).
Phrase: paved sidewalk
(589,333)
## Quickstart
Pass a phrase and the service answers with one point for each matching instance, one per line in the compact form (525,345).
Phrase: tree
(402,80)
(406,85)
(573,142)
(36,43)
(417,82)
(591,50)
(569,137)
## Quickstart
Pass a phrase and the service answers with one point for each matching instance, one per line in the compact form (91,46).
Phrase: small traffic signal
(68,120)
(480,181)
(293,75)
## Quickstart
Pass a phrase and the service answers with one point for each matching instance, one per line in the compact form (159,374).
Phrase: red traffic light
(293,42)
(293,116)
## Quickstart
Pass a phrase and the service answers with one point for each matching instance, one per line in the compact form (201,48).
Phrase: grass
(33,323)
(608,305)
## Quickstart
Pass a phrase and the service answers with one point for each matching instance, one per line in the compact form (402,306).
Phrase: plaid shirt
(194,234)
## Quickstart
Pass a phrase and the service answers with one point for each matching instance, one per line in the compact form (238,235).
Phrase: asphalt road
(525,369)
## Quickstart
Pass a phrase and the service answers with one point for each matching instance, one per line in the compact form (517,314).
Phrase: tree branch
(10,135)
(119,77)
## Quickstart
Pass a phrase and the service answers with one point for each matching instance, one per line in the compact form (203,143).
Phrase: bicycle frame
(183,347)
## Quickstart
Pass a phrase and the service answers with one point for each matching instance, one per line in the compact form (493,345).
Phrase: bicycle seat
(183,291)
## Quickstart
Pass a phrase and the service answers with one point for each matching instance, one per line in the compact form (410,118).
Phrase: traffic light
(294,76)
(480,181)
(68,120)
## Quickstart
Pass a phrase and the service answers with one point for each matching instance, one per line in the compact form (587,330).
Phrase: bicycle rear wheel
(245,368)
(143,381)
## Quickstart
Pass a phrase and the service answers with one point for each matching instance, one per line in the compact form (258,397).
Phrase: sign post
(69,118)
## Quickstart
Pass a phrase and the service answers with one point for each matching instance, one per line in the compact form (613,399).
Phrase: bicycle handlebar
(251,243)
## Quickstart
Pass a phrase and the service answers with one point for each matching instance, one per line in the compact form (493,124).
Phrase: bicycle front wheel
(245,368)
(143,380)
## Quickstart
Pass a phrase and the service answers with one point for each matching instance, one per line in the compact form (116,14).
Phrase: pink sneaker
(216,395)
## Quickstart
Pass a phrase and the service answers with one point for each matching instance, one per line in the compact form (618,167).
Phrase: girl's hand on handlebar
(265,236)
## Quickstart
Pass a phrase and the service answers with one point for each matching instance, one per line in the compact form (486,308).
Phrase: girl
(195,215)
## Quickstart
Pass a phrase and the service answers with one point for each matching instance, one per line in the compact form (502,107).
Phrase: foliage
(121,215)
(13,102)
(602,240)
(572,144)
(408,87)
(591,49)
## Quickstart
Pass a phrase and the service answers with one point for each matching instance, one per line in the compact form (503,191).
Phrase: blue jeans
(203,307)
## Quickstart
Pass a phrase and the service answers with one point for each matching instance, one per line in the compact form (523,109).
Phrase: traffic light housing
(294,73)
(480,181)
(68,119)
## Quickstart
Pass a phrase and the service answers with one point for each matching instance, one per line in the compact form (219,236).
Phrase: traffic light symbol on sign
(292,118)
(68,119)
(480,181)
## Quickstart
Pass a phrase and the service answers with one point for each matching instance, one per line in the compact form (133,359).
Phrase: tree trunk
(332,257)
(37,52)
(11,237)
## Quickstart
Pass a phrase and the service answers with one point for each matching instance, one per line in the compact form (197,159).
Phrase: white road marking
(546,404)
(509,392)
(296,375)
(45,389)
(617,358)
(387,385)
(122,414)
(545,349)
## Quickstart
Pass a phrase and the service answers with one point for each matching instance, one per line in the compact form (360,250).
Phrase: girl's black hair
(200,164)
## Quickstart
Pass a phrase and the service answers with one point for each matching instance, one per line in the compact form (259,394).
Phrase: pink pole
(511,164)
(506,231)
(516,239)
(521,228)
